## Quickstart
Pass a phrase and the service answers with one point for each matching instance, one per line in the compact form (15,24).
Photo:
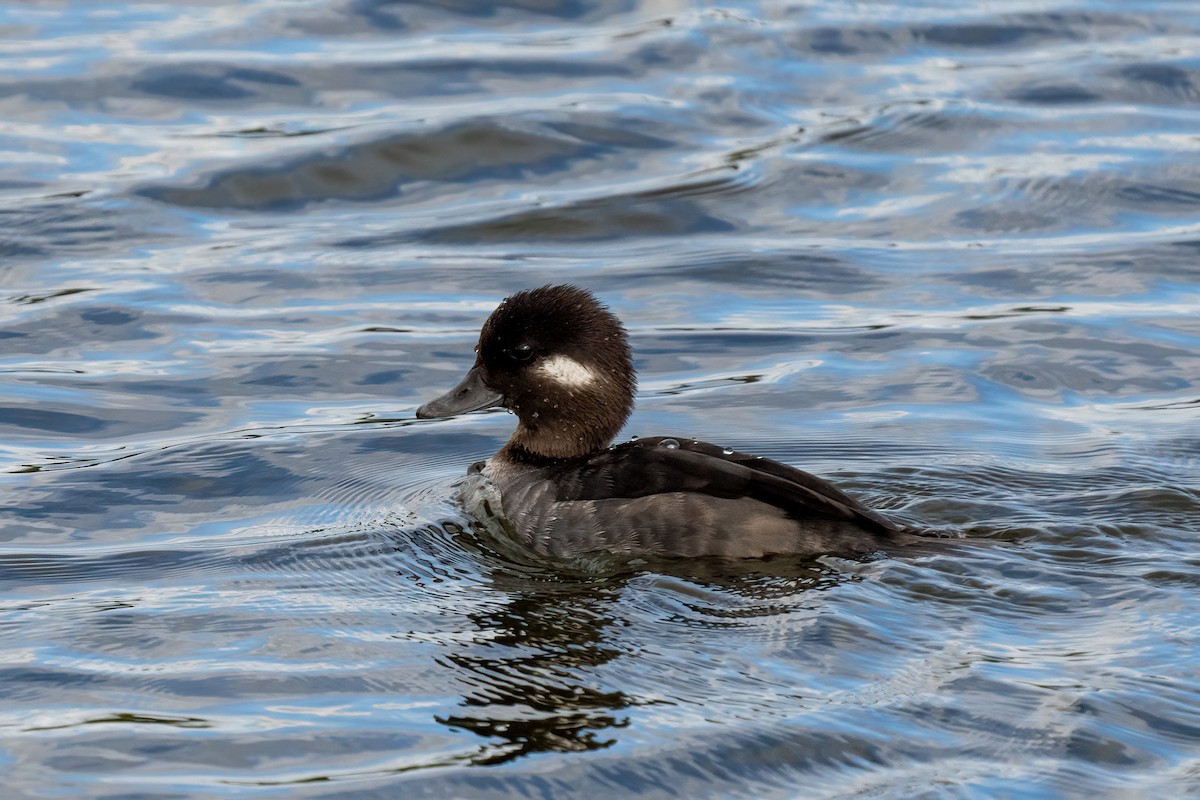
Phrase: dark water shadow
(469,152)
(532,674)
(527,688)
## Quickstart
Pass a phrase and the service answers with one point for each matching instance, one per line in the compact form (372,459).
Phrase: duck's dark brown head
(559,359)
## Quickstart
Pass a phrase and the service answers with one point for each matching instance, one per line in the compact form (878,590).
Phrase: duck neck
(545,433)
(554,441)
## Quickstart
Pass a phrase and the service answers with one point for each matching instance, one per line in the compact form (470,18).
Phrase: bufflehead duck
(560,360)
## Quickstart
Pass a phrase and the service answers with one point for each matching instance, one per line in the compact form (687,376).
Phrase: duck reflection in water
(534,673)
(528,677)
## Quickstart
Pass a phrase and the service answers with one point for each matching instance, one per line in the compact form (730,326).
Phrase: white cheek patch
(567,371)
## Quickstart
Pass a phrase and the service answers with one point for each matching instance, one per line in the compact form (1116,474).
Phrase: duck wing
(653,466)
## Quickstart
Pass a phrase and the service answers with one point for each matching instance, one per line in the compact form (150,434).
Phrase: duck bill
(471,394)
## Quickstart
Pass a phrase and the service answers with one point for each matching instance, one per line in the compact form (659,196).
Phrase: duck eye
(521,352)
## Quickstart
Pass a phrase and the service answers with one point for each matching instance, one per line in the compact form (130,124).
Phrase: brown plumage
(561,361)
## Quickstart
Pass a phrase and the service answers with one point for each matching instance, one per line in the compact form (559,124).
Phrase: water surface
(946,254)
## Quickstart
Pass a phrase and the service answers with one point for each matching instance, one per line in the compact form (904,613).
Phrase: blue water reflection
(945,254)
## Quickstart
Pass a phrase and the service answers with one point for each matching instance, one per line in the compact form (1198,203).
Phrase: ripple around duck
(20,569)
(345,528)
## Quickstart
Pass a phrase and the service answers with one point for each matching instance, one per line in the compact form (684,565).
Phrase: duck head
(560,360)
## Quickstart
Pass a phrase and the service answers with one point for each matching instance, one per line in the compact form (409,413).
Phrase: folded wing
(648,467)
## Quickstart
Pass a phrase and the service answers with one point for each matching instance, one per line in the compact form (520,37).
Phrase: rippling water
(947,254)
